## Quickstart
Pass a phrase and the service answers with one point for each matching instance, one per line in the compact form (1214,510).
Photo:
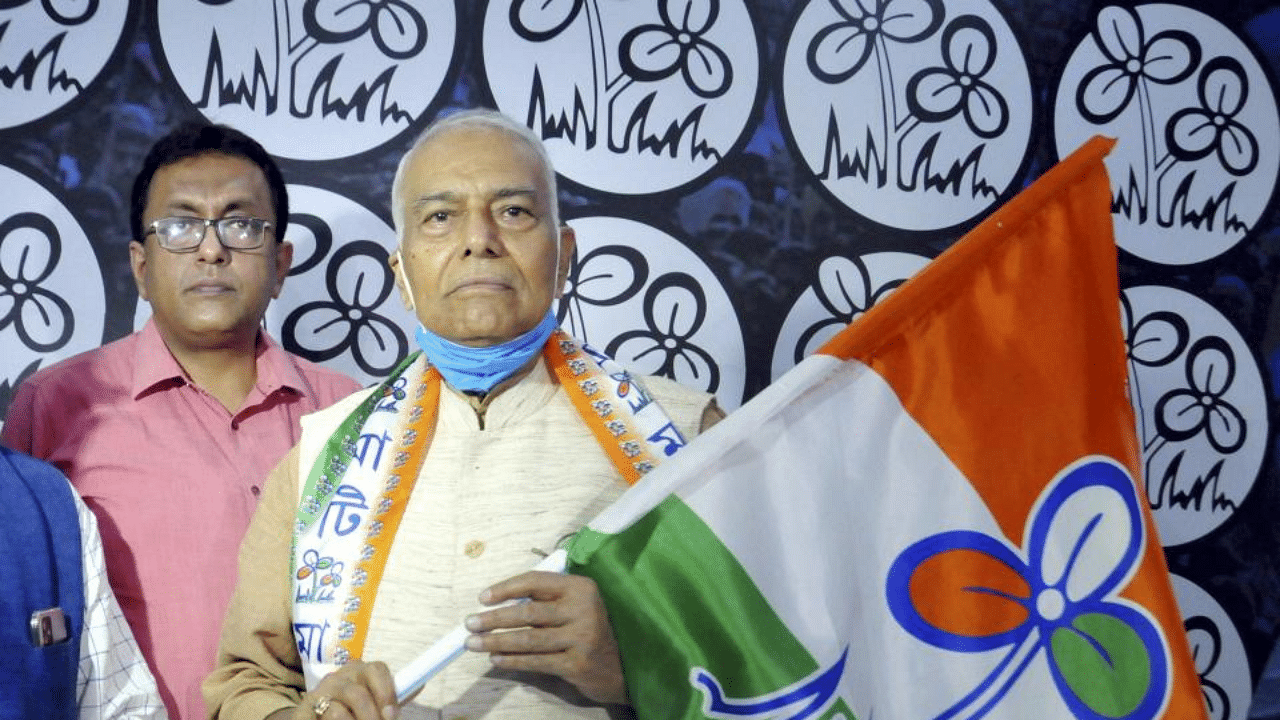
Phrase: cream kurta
(487,503)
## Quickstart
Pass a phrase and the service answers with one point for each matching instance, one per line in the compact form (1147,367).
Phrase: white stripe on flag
(816,518)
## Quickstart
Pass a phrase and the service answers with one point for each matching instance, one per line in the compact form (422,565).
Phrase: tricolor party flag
(934,517)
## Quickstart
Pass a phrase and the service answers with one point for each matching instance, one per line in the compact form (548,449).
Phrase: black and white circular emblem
(339,305)
(630,97)
(1217,650)
(51,290)
(916,114)
(1196,121)
(1201,409)
(51,51)
(310,79)
(843,290)
(639,295)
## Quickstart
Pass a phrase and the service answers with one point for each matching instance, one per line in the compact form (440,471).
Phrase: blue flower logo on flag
(803,701)
(1056,600)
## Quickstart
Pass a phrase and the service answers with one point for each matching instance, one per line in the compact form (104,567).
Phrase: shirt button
(474,549)
(255,490)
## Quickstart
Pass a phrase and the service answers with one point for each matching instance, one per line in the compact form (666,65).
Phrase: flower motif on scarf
(325,574)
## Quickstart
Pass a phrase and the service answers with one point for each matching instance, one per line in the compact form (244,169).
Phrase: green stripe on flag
(678,599)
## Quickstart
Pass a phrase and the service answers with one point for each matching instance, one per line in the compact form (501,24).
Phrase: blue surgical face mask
(479,369)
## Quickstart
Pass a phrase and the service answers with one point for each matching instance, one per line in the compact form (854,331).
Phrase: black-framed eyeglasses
(184,234)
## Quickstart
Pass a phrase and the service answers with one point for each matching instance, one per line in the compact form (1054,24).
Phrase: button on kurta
(474,549)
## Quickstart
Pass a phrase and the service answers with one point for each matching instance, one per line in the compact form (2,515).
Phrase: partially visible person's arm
(113,680)
(711,414)
(359,690)
(259,673)
(258,670)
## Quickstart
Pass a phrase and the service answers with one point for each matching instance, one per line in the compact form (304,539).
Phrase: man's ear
(138,263)
(568,243)
(284,262)
(394,261)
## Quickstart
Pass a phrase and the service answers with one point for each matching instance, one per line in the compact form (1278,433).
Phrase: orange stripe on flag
(1026,302)
(1007,349)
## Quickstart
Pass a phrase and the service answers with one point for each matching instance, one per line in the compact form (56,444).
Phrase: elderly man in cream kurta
(402,505)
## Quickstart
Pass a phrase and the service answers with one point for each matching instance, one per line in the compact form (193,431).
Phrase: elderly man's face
(478,247)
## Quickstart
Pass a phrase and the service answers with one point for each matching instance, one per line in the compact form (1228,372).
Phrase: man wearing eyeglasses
(169,432)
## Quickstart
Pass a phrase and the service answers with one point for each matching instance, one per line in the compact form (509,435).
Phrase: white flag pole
(413,676)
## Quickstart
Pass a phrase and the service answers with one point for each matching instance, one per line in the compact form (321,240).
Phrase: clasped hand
(560,627)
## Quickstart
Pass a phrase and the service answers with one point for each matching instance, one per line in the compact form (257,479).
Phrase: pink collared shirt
(173,478)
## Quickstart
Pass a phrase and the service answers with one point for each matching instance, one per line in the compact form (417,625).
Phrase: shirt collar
(154,365)
(514,402)
(276,368)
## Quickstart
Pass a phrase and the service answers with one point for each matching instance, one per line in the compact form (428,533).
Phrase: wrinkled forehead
(475,158)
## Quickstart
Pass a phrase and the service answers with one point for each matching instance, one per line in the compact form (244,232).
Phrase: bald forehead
(482,159)
(445,142)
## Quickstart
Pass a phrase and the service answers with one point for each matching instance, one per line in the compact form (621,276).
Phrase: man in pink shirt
(168,433)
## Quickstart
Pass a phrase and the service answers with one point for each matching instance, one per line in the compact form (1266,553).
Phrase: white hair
(476,118)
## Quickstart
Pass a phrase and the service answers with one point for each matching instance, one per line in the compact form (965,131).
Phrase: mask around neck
(480,369)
